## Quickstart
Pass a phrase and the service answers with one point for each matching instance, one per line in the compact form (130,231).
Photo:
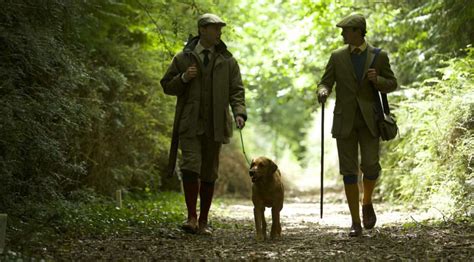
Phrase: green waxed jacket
(227,89)
(351,93)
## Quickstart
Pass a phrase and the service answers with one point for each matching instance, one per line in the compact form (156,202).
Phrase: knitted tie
(206,57)
(356,51)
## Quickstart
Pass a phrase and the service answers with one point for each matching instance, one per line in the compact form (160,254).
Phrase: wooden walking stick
(322,159)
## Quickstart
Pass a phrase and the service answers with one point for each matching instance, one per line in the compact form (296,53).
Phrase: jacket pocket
(337,122)
(186,119)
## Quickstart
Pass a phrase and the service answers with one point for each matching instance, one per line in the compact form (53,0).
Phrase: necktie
(356,51)
(206,57)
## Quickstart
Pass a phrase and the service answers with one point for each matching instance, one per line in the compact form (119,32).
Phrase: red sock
(206,193)
(191,190)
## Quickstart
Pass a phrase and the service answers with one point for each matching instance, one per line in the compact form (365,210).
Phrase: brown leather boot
(204,229)
(368,216)
(191,225)
(356,230)
(206,193)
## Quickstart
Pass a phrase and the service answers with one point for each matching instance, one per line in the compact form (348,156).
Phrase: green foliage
(81,102)
(432,161)
(276,52)
(126,143)
(86,214)
(101,217)
(38,116)
(420,34)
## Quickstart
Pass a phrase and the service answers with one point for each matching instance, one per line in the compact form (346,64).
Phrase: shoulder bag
(386,122)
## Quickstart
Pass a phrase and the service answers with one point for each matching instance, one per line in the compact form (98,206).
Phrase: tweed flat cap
(355,20)
(206,19)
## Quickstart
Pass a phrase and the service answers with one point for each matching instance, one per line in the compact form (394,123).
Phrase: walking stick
(322,159)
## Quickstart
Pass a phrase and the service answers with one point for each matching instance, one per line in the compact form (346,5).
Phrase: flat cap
(206,19)
(355,20)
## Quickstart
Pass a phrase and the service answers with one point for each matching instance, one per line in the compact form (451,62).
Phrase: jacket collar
(370,57)
(220,48)
(362,47)
(199,48)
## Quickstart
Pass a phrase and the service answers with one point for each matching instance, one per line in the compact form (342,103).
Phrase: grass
(138,212)
(93,216)
(87,215)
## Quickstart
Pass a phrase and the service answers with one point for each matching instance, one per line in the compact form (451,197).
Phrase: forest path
(397,235)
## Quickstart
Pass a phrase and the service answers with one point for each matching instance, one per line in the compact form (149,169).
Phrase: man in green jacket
(354,123)
(206,79)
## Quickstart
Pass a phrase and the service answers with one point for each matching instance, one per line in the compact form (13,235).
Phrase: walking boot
(356,230)
(368,216)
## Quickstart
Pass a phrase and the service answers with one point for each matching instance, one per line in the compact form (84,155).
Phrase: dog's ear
(272,167)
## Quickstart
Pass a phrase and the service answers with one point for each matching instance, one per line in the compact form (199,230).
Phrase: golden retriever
(267,191)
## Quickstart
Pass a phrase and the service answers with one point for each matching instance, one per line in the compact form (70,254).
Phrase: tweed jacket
(352,93)
(227,89)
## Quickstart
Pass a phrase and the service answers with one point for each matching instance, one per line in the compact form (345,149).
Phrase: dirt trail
(305,236)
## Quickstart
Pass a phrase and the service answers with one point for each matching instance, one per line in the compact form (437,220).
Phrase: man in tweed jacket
(354,123)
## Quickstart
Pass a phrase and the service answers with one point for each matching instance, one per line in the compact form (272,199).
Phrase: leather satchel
(386,122)
(388,128)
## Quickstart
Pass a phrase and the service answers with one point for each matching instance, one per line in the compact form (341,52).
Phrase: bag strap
(386,108)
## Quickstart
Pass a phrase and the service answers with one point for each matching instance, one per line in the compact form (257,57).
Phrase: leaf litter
(398,235)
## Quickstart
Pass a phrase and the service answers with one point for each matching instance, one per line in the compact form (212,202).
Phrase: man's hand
(240,122)
(372,75)
(322,95)
(190,73)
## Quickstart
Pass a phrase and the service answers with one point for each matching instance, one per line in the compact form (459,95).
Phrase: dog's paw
(275,235)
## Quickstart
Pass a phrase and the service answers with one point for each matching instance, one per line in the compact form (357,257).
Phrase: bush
(81,104)
(432,161)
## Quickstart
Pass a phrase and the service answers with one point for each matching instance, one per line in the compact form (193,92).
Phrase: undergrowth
(432,160)
(86,215)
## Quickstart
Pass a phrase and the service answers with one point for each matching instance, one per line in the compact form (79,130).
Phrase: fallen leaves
(233,239)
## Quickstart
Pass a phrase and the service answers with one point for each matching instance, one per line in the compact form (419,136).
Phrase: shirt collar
(199,48)
(362,47)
